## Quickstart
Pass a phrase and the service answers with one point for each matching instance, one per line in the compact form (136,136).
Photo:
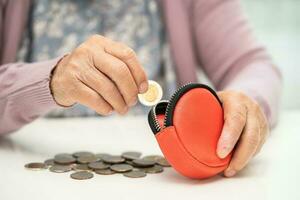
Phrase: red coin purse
(187,129)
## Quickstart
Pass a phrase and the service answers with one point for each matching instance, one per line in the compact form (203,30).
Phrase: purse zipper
(178,94)
(152,116)
(167,107)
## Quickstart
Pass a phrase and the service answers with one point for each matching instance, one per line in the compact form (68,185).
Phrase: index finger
(128,56)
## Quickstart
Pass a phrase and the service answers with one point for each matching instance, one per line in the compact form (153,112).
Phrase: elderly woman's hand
(245,129)
(101,74)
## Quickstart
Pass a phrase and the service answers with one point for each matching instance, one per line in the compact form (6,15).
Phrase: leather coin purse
(187,129)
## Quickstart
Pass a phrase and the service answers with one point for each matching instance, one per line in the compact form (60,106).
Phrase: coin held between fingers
(152,96)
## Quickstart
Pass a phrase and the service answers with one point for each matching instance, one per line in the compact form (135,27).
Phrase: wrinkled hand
(100,73)
(245,129)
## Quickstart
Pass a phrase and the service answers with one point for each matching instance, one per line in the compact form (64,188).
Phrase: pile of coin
(85,164)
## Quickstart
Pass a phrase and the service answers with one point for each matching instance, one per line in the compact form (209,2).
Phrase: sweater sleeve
(232,57)
(24,93)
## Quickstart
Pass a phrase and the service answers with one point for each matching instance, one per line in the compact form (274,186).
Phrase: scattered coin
(129,162)
(152,157)
(81,167)
(135,174)
(63,154)
(113,159)
(101,155)
(131,155)
(163,162)
(82,153)
(87,159)
(36,166)
(121,168)
(98,165)
(60,168)
(49,162)
(86,163)
(105,171)
(153,170)
(153,95)
(64,159)
(82,175)
(143,163)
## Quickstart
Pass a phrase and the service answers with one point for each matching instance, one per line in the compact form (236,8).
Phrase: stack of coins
(84,165)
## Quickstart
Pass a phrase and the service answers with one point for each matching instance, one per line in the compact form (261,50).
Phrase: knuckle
(234,130)
(253,140)
(121,70)
(95,37)
(80,51)
(128,53)
(239,116)
(73,71)
(72,66)
(85,75)
(256,108)
(241,95)
(109,88)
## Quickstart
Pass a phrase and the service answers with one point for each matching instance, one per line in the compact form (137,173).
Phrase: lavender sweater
(212,34)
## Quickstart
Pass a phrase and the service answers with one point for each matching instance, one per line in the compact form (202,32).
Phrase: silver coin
(81,167)
(82,153)
(82,175)
(129,162)
(152,157)
(135,174)
(64,159)
(121,168)
(87,159)
(113,159)
(131,155)
(61,168)
(49,162)
(143,163)
(98,165)
(153,170)
(63,154)
(105,171)
(36,166)
(163,162)
(101,155)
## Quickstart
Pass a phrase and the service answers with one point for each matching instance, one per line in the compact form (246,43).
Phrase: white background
(277,25)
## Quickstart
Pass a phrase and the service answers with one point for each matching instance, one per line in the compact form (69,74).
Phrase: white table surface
(274,174)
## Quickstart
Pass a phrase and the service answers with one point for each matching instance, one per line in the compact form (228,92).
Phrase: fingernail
(143,87)
(223,151)
(230,173)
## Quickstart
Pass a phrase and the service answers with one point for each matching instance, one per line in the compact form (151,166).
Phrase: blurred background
(277,25)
